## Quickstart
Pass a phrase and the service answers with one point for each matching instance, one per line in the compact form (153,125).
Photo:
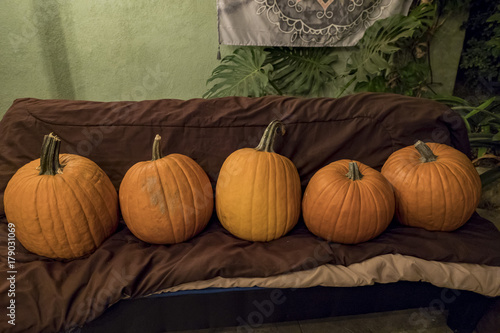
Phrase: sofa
(216,279)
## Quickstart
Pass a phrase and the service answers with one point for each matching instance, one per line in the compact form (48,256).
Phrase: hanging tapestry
(301,22)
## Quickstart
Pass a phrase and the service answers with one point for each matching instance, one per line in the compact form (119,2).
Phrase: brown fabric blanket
(53,295)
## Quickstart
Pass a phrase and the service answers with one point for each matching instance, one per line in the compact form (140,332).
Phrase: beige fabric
(388,268)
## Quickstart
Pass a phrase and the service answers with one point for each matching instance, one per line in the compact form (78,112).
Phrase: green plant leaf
(383,39)
(481,151)
(302,71)
(451,100)
(377,84)
(467,124)
(242,73)
(490,176)
(481,107)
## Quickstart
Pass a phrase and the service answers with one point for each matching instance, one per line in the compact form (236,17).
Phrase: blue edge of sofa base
(249,308)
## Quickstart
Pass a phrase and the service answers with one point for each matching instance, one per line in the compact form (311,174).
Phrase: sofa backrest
(365,127)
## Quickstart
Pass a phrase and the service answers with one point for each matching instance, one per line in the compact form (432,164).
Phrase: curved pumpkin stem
(426,154)
(354,173)
(49,156)
(156,148)
(267,142)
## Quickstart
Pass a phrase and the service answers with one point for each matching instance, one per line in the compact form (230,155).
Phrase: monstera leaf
(383,39)
(243,73)
(252,71)
(302,71)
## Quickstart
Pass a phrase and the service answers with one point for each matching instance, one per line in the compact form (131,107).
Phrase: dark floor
(404,321)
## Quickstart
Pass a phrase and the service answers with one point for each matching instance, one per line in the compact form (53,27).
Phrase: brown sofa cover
(54,295)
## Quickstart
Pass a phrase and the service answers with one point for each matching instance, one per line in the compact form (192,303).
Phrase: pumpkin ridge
(132,196)
(444,196)
(431,176)
(91,232)
(52,224)
(53,217)
(36,196)
(323,190)
(90,180)
(170,162)
(99,223)
(414,184)
(276,199)
(468,183)
(410,174)
(321,193)
(269,218)
(201,173)
(22,177)
(352,193)
(177,160)
(63,223)
(343,193)
(288,199)
(165,197)
(457,167)
(251,197)
(373,200)
(65,239)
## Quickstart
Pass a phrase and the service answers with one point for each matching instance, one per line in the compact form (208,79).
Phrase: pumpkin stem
(49,156)
(354,173)
(267,142)
(156,148)
(426,154)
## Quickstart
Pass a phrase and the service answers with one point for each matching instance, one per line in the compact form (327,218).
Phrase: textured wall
(446,48)
(130,49)
(106,49)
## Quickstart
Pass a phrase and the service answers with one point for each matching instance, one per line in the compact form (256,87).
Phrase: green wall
(106,49)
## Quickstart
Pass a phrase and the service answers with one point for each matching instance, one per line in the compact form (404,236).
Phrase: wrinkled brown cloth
(53,295)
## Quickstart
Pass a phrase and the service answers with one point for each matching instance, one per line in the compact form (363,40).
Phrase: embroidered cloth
(301,22)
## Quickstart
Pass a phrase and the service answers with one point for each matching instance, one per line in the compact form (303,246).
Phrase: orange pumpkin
(436,186)
(166,200)
(348,202)
(258,191)
(63,206)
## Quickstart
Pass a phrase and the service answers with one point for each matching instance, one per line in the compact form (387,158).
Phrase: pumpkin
(63,206)
(166,200)
(258,191)
(436,186)
(348,202)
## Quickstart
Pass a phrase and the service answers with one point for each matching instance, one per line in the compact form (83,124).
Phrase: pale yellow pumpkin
(258,192)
